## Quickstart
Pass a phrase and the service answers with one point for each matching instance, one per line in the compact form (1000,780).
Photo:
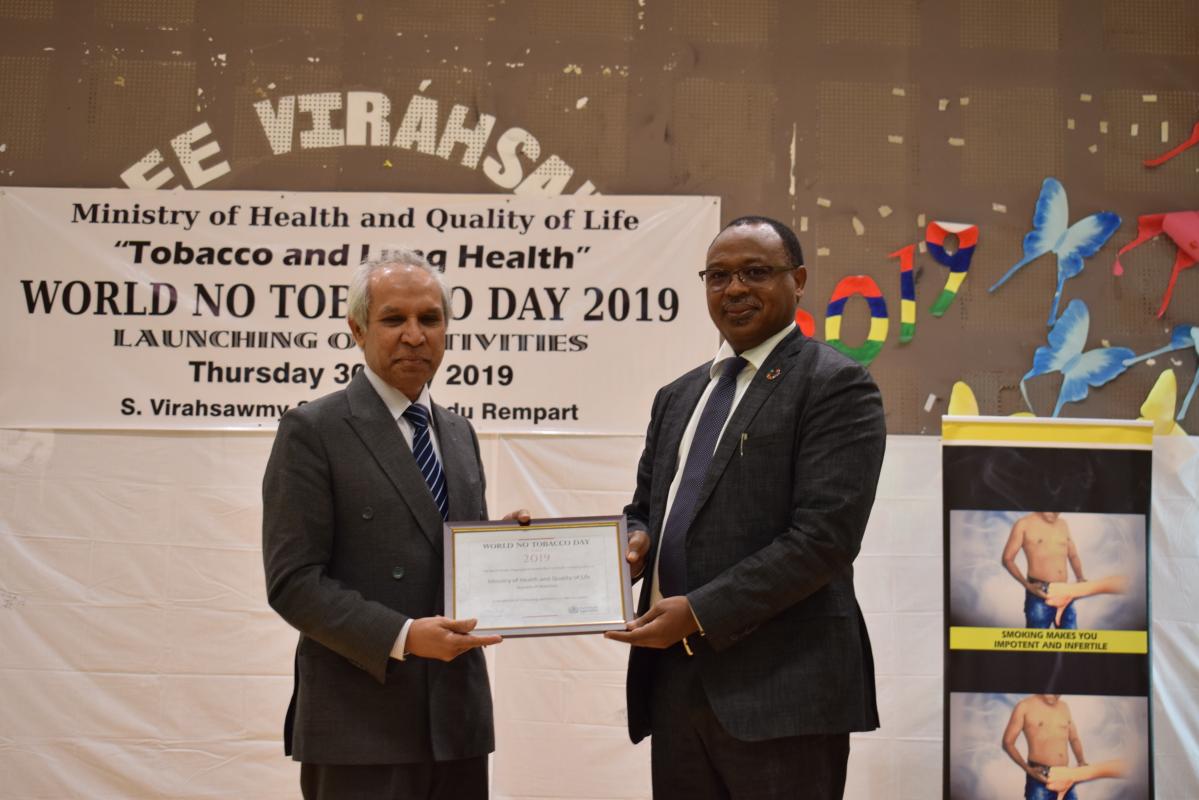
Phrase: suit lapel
(380,434)
(756,394)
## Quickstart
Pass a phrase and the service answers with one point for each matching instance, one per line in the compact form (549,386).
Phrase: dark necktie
(672,558)
(426,458)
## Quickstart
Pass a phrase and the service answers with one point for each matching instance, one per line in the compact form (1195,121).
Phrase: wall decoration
(1191,141)
(1183,229)
(962,402)
(865,286)
(1181,338)
(806,322)
(1064,353)
(1071,243)
(1160,403)
(958,261)
(907,292)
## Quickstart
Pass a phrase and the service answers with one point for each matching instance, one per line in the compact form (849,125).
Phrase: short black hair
(790,240)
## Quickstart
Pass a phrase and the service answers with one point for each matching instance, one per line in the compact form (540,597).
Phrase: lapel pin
(774,373)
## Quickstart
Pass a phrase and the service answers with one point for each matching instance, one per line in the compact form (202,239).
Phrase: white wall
(138,657)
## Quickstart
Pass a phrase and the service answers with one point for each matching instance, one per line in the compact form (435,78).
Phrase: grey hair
(359,299)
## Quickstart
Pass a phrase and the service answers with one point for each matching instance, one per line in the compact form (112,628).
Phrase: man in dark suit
(751,663)
(391,699)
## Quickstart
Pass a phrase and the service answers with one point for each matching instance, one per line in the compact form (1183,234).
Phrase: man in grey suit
(751,663)
(391,699)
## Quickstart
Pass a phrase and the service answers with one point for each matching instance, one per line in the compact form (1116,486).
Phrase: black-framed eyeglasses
(719,279)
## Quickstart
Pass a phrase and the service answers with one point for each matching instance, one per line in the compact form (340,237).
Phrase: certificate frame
(509,543)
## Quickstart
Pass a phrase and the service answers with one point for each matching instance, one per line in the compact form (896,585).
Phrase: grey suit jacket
(769,553)
(352,545)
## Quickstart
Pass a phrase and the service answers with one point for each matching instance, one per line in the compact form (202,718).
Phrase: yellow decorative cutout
(962,402)
(1158,407)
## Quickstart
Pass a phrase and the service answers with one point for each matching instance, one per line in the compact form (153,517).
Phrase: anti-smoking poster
(1047,617)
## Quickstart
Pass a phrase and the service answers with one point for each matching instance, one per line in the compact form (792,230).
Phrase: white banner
(176,310)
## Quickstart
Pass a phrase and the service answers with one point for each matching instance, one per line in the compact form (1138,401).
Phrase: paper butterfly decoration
(1182,337)
(1064,354)
(1158,407)
(1183,229)
(1071,243)
(1190,142)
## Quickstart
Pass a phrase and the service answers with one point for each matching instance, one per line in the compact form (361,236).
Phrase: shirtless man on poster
(1045,539)
(1045,721)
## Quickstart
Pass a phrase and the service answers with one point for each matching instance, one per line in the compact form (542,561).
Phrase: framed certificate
(554,576)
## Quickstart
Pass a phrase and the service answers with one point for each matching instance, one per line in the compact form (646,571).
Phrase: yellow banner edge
(1014,430)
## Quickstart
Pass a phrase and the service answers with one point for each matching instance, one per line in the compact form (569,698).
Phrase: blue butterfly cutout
(1182,337)
(1064,354)
(1071,244)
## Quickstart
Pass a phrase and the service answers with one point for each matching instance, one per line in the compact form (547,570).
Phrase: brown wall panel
(850,119)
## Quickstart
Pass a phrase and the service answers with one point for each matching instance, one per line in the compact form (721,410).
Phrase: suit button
(368,513)
(397,573)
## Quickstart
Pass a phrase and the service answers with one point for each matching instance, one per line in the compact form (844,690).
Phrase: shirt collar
(396,401)
(756,356)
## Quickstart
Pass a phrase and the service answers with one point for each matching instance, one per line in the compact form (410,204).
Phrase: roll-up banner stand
(1047,661)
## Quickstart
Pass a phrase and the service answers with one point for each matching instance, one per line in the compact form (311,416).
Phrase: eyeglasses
(717,280)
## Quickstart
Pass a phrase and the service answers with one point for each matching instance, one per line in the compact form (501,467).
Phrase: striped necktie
(426,457)
(672,559)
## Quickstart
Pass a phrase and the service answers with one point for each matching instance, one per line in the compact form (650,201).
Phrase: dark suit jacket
(769,554)
(352,543)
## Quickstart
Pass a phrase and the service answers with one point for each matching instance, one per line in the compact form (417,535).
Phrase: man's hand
(638,547)
(1036,589)
(444,639)
(1036,773)
(666,623)
(520,515)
